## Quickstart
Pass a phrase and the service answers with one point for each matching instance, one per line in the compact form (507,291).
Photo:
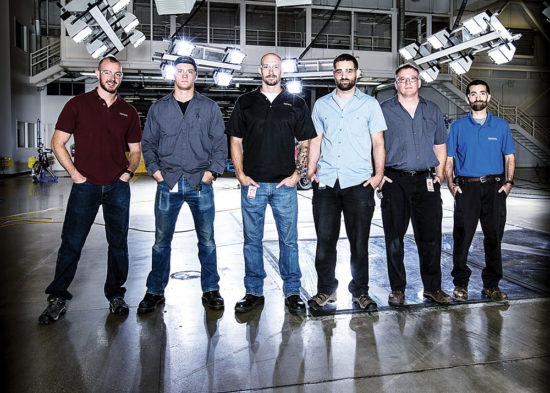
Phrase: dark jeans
(357,204)
(167,208)
(479,202)
(84,202)
(408,199)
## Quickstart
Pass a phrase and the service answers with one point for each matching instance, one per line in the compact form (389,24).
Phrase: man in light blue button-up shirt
(350,127)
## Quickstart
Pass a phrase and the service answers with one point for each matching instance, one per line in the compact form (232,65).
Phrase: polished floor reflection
(183,347)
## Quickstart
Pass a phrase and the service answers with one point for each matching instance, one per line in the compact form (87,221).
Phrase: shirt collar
(358,93)
(489,116)
(96,94)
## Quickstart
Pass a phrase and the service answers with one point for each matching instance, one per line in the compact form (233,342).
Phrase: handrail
(511,113)
(44,58)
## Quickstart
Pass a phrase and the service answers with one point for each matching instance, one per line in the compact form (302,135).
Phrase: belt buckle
(482,179)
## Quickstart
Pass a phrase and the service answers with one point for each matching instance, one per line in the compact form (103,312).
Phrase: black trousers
(408,199)
(357,204)
(479,202)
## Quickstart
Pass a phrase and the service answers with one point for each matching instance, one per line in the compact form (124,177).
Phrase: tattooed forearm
(301,159)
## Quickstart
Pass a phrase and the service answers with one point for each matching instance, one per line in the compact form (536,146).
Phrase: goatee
(349,86)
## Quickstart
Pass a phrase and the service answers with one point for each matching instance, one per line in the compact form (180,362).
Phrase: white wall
(5,81)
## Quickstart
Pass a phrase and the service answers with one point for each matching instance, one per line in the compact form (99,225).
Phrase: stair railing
(44,58)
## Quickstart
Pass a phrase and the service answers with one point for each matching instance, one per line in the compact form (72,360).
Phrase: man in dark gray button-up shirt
(185,149)
(415,159)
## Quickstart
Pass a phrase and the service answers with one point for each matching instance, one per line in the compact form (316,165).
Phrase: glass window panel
(31,135)
(260,25)
(224,23)
(372,32)
(337,35)
(21,134)
(291,26)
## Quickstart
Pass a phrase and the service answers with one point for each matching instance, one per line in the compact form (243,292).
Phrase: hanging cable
(322,29)
(191,15)
(459,15)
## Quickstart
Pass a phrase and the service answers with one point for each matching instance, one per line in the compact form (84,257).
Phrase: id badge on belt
(430,184)
(252,192)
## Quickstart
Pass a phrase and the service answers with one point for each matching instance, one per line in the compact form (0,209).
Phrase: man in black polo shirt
(415,159)
(263,128)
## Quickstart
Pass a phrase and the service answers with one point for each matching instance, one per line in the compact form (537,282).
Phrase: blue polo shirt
(478,149)
(346,146)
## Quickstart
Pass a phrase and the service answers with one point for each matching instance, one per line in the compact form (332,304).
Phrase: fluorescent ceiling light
(234,55)
(289,65)
(183,48)
(410,51)
(502,53)
(477,24)
(294,86)
(439,39)
(462,64)
(430,74)
(222,78)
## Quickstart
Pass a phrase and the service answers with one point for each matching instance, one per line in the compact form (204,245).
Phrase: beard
(349,86)
(478,105)
(105,87)
(273,81)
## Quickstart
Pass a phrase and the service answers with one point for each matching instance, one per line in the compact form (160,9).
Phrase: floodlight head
(137,38)
(222,78)
(500,29)
(294,86)
(168,71)
(78,30)
(234,56)
(462,64)
(477,24)
(117,5)
(439,39)
(502,53)
(96,48)
(409,52)
(82,34)
(430,74)
(128,22)
(289,65)
(183,48)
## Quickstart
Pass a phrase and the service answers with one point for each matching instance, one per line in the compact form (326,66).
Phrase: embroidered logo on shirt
(492,139)
(123,114)
(287,103)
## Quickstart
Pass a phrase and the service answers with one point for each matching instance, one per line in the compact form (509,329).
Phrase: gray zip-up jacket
(187,145)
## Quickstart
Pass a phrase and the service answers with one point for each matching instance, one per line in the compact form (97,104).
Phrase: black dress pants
(479,202)
(408,199)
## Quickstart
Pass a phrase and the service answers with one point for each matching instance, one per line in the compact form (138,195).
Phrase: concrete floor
(473,347)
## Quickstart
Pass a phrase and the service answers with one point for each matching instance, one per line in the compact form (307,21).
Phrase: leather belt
(410,173)
(482,179)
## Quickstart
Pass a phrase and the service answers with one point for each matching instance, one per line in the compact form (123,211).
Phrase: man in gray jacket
(185,149)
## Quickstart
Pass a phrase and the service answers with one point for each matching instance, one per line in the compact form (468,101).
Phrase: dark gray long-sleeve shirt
(409,141)
(189,145)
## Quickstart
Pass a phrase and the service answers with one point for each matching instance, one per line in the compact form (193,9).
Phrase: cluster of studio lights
(222,61)
(294,71)
(480,33)
(103,25)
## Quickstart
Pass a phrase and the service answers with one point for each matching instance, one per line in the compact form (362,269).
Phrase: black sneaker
(213,300)
(56,307)
(295,304)
(149,303)
(118,306)
(249,303)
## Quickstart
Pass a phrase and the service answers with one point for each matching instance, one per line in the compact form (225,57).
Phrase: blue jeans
(167,207)
(284,204)
(84,202)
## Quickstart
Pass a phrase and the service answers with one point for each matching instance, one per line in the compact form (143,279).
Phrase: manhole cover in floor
(186,275)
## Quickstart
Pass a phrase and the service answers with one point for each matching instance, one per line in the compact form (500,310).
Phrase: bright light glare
(169,72)
(235,55)
(184,48)
(222,78)
(294,86)
(289,65)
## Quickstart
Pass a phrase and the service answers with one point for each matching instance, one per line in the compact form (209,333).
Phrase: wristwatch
(215,175)
(509,182)
(130,173)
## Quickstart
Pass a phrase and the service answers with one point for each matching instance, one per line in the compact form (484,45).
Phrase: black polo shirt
(269,131)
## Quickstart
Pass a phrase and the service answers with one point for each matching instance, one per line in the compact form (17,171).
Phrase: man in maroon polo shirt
(103,126)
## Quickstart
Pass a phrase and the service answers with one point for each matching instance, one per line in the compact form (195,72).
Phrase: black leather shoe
(149,303)
(295,304)
(248,303)
(213,300)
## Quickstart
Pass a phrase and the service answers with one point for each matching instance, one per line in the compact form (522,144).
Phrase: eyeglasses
(477,94)
(410,79)
(271,66)
(109,73)
(346,71)
(181,71)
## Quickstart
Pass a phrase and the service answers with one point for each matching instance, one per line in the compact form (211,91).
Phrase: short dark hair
(404,67)
(112,59)
(478,82)
(345,57)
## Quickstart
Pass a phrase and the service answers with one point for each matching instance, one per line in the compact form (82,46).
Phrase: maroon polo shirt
(101,135)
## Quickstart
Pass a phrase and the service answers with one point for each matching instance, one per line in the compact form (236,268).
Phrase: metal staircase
(45,65)
(526,131)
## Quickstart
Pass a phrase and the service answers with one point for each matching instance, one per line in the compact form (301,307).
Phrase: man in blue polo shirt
(482,181)
(349,126)
(415,160)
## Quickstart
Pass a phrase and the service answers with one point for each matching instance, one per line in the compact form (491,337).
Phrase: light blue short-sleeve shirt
(346,148)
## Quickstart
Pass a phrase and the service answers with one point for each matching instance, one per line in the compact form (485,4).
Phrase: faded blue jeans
(167,207)
(284,204)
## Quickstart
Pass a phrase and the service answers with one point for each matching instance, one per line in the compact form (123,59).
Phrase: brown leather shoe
(396,298)
(460,293)
(438,296)
(495,294)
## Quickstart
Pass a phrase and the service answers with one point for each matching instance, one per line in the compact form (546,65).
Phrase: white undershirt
(270,96)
